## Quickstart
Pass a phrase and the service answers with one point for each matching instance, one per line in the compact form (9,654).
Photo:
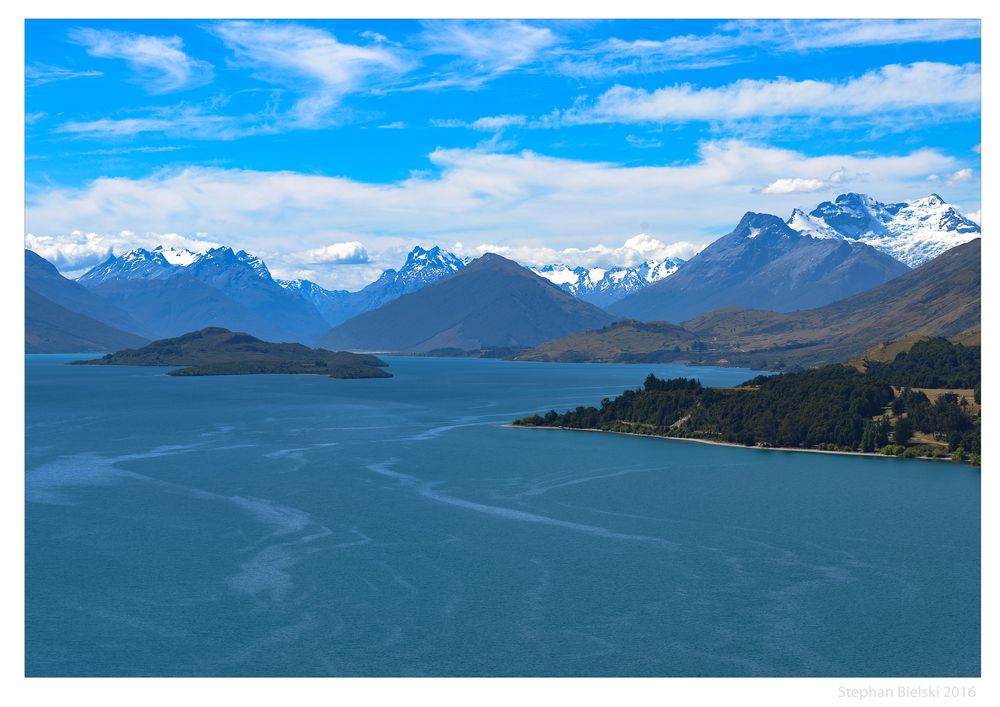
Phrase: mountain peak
(913,232)
(753,224)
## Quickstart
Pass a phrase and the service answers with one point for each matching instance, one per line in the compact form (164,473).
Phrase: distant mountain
(172,291)
(762,264)
(602,286)
(422,267)
(215,351)
(912,232)
(52,328)
(492,301)
(42,277)
(940,298)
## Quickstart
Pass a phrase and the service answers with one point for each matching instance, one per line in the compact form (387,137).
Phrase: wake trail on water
(427,489)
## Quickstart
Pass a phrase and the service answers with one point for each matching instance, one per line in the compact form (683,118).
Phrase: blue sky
(332,147)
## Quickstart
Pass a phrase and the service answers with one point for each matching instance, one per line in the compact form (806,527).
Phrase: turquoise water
(297,525)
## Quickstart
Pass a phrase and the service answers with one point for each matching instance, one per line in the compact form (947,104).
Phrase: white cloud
(643,142)
(521,200)
(160,62)
(740,41)
(485,50)
(310,62)
(182,121)
(395,125)
(491,123)
(497,122)
(976,216)
(811,34)
(912,87)
(350,253)
(40,74)
(960,176)
(633,251)
(804,185)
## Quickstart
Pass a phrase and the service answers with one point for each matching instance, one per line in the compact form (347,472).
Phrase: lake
(299,525)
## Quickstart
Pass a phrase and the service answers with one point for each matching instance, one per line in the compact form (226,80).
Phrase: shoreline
(731,444)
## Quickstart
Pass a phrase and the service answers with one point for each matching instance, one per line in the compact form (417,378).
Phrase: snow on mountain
(177,256)
(913,232)
(137,264)
(602,286)
(162,262)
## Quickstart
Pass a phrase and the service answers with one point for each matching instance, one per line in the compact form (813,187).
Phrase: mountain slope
(490,302)
(602,286)
(940,298)
(43,278)
(51,328)
(623,342)
(762,264)
(913,232)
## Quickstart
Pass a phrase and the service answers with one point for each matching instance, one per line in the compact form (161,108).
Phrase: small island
(924,403)
(215,351)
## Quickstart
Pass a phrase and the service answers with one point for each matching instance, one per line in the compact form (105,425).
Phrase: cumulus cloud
(159,62)
(350,253)
(976,216)
(504,200)
(633,251)
(897,87)
(804,185)
(959,176)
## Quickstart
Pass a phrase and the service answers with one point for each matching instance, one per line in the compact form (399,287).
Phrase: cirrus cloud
(160,62)
(932,86)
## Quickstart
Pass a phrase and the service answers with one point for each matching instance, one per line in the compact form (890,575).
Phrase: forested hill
(932,363)
(831,408)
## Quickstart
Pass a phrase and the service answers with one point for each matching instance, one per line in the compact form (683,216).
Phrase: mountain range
(492,301)
(939,298)
(839,249)
(171,292)
(603,286)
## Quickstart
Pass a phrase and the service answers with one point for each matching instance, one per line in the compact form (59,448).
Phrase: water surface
(298,525)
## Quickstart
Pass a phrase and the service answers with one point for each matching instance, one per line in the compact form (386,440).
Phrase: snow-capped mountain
(172,291)
(763,264)
(913,232)
(160,262)
(422,267)
(602,286)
